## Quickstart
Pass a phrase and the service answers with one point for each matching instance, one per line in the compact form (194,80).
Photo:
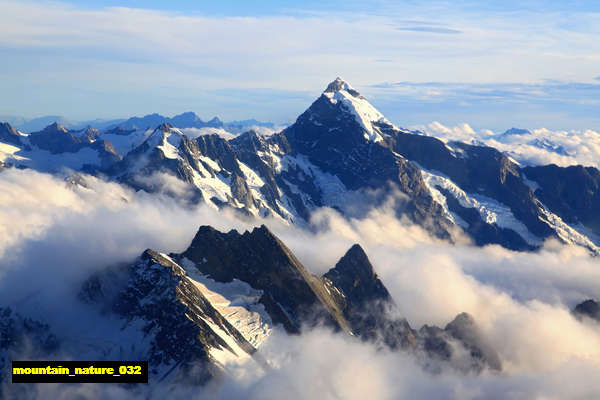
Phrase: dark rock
(464,329)
(589,308)
(365,301)
(572,193)
(8,134)
(260,259)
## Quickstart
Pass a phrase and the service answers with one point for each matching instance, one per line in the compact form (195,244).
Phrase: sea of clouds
(535,147)
(56,234)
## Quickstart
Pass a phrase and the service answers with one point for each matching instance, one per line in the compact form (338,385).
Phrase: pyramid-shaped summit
(340,92)
(341,85)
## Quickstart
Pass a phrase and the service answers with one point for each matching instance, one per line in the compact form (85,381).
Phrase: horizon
(490,66)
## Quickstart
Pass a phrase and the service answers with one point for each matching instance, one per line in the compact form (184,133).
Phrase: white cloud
(58,234)
(462,132)
(98,53)
(195,132)
(539,147)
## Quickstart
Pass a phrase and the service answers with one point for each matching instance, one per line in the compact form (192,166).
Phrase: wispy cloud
(521,301)
(109,62)
(552,104)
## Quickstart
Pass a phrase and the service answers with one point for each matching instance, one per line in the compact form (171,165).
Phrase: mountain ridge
(339,147)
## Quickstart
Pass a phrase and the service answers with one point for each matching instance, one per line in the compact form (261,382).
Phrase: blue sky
(491,64)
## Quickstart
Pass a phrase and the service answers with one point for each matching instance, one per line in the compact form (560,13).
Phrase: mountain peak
(339,91)
(55,127)
(355,276)
(164,127)
(517,131)
(341,85)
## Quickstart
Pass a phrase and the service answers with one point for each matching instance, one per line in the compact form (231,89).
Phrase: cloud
(154,60)
(462,132)
(537,147)
(58,234)
(195,132)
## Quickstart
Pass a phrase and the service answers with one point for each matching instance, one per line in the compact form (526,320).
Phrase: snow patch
(239,303)
(364,113)
(490,210)
(566,232)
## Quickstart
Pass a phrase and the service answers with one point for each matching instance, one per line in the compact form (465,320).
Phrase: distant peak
(340,92)
(55,127)
(517,131)
(339,84)
(164,127)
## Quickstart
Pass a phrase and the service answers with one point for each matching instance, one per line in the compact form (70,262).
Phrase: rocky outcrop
(56,139)
(460,344)
(572,193)
(179,322)
(333,140)
(366,303)
(9,135)
(291,295)
(589,308)
(350,297)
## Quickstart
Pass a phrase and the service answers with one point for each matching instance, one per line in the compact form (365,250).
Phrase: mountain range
(187,119)
(221,298)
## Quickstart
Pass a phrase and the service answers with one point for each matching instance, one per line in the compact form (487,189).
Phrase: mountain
(340,149)
(342,146)
(589,308)
(246,124)
(573,193)
(516,131)
(39,123)
(10,135)
(217,302)
(190,120)
(55,148)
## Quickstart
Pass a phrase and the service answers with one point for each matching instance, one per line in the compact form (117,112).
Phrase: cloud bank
(535,147)
(58,234)
(122,61)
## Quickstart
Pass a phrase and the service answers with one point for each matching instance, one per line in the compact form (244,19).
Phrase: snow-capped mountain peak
(167,139)
(364,113)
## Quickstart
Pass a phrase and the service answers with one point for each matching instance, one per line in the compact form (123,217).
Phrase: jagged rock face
(464,329)
(365,301)
(8,134)
(481,170)
(462,333)
(291,295)
(169,317)
(181,324)
(573,193)
(355,277)
(184,120)
(484,233)
(333,139)
(56,139)
(341,147)
(351,293)
(589,308)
